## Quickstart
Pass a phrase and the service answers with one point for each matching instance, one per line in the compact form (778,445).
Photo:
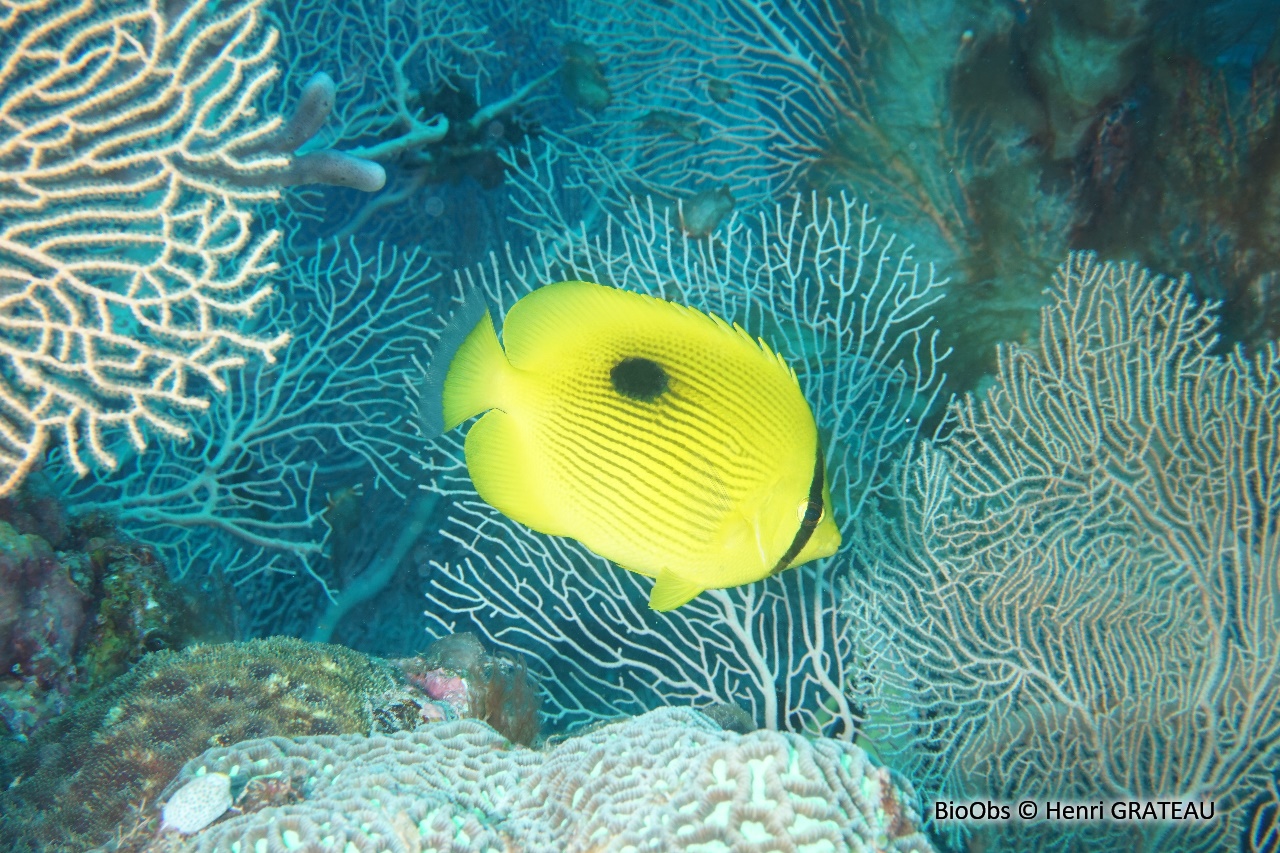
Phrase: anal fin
(502,470)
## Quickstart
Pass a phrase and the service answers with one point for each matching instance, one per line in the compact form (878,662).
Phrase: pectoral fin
(669,592)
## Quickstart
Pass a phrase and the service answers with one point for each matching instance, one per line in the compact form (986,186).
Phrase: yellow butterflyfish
(661,438)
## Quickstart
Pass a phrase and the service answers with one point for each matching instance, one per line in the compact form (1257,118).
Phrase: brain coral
(670,780)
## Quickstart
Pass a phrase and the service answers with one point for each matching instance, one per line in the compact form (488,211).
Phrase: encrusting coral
(87,772)
(79,605)
(668,780)
(458,671)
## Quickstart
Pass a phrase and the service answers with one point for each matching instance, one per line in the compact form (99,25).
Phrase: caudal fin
(467,318)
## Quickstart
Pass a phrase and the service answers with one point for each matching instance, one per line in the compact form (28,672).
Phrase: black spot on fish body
(639,379)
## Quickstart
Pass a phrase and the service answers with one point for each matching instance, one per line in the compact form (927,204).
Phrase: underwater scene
(709,426)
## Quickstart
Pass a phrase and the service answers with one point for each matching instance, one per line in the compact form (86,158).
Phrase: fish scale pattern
(669,780)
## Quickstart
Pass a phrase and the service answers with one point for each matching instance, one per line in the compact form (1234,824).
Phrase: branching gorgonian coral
(133,165)
(1085,598)
(247,493)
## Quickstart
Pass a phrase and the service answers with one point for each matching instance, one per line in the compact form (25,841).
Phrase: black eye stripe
(812,515)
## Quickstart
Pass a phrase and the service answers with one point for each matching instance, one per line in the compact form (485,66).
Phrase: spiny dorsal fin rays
(755,340)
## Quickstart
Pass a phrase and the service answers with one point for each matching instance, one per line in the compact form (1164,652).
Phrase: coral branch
(133,163)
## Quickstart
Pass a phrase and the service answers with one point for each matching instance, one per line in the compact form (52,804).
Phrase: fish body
(662,438)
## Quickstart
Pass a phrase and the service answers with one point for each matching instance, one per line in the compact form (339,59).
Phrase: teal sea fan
(247,495)
(1083,600)
(711,93)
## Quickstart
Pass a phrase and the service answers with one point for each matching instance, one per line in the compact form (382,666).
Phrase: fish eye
(811,512)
